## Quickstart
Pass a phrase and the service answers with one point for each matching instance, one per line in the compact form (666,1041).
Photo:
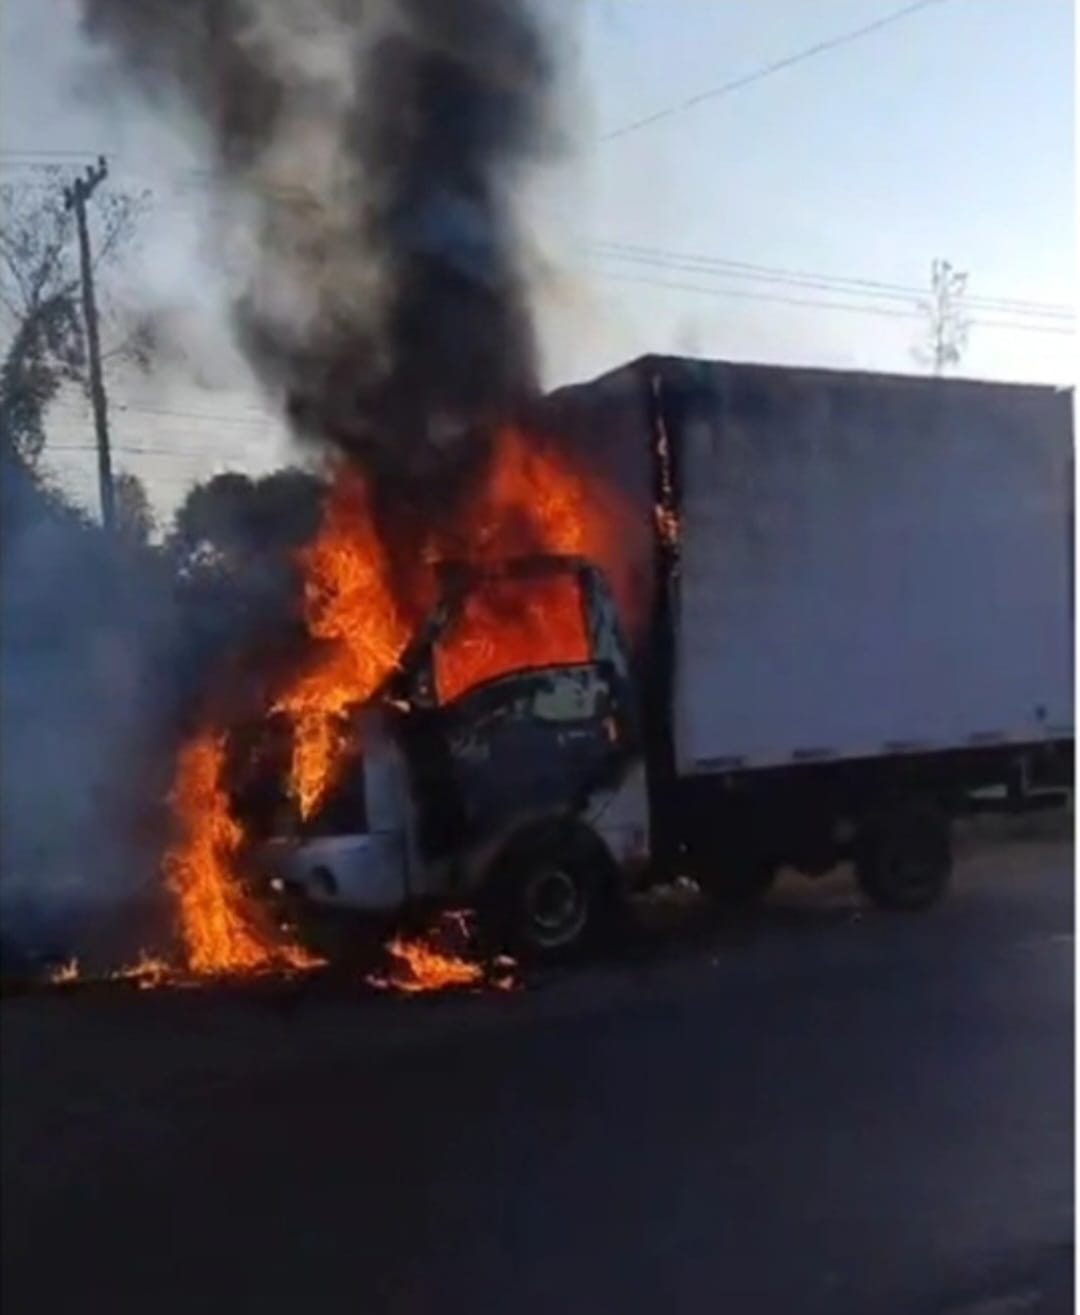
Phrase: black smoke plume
(373,147)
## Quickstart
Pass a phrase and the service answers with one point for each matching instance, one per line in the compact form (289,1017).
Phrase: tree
(232,521)
(232,554)
(135,521)
(39,301)
(947,323)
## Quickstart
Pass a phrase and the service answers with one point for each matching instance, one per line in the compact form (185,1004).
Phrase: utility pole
(75,198)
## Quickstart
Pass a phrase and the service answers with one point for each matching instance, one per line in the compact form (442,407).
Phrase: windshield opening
(508,624)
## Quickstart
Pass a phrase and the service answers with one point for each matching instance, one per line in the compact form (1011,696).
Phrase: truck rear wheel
(550,892)
(903,857)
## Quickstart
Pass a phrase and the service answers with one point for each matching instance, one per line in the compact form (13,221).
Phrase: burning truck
(691,618)
(772,617)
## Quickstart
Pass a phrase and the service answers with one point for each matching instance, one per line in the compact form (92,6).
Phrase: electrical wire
(858,286)
(767,70)
(169,453)
(850,285)
(887,312)
(253,420)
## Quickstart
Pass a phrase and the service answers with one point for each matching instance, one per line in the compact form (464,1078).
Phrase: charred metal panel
(545,738)
(540,739)
(605,631)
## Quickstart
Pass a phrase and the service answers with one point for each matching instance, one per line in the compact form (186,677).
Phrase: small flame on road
(416,967)
(147,972)
(441,960)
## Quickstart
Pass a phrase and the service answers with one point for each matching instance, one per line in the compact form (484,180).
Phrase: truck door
(355,851)
(526,702)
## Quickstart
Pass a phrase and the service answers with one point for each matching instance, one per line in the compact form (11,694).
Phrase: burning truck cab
(499,775)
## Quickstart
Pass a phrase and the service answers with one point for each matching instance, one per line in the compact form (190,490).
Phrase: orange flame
(418,967)
(509,624)
(348,602)
(530,500)
(147,972)
(221,932)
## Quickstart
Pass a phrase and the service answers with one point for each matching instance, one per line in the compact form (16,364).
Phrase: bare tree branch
(7,252)
(947,321)
(39,287)
(10,304)
(121,215)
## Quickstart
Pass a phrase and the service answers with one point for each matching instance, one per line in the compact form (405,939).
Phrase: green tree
(233,522)
(135,521)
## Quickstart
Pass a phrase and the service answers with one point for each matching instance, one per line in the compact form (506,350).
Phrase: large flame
(360,616)
(505,625)
(530,500)
(221,932)
(351,608)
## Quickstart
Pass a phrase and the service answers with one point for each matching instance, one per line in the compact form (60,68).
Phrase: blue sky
(949,134)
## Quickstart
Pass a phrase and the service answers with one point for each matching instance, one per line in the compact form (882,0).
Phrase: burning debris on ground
(441,956)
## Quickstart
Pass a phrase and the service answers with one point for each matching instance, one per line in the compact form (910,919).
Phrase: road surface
(826,1110)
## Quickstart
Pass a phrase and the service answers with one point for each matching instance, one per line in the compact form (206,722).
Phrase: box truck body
(868,566)
(850,611)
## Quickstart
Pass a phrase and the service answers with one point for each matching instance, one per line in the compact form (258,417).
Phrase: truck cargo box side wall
(869,565)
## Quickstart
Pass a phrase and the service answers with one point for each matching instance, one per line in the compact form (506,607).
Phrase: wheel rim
(555,907)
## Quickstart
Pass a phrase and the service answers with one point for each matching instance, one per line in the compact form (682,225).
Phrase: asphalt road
(822,1111)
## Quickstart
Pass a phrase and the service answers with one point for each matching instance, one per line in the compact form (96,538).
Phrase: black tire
(903,857)
(550,894)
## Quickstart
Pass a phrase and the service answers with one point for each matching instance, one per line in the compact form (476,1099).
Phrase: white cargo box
(870,564)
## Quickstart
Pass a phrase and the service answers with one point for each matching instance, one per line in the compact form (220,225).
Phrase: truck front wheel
(903,857)
(549,892)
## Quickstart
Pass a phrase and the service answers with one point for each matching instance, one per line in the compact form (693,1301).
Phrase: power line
(689,262)
(887,312)
(743,295)
(767,70)
(816,280)
(45,153)
(253,420)
(182,181)
(712,93)
(170,453)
